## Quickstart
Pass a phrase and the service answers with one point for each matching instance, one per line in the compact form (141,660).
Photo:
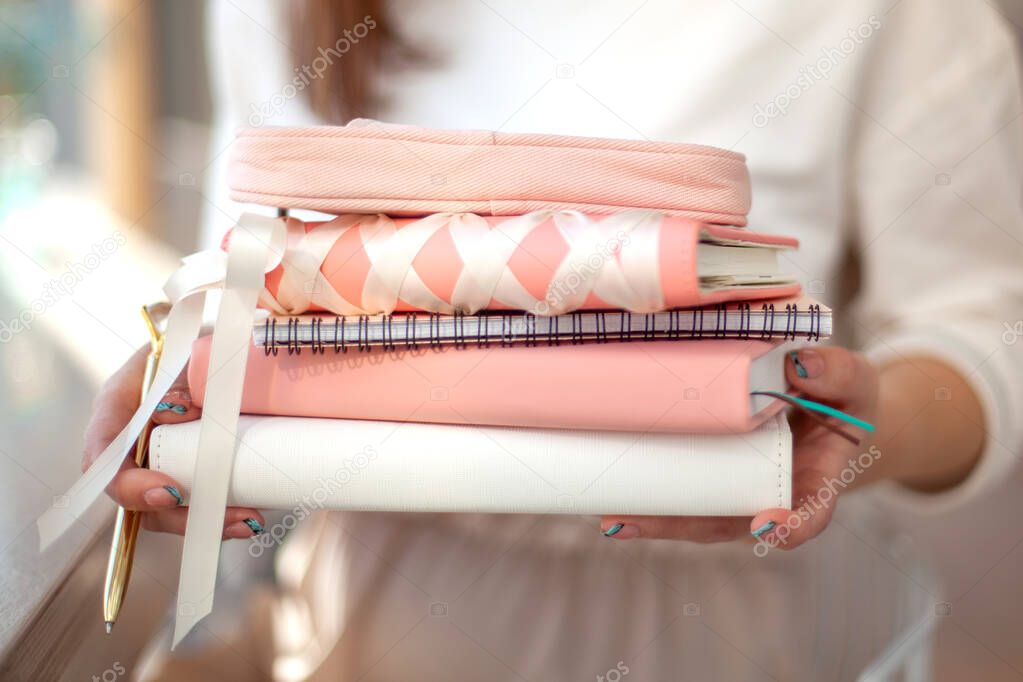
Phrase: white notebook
(290,462)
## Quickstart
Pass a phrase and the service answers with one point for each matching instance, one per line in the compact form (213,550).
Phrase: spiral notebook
(790,319)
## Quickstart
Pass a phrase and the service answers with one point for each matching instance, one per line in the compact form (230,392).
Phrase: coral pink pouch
(372,167)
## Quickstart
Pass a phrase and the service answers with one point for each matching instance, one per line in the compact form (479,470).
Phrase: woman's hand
(834,376)
(143,489)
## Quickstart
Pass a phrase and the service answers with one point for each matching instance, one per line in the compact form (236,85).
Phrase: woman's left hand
(835,376)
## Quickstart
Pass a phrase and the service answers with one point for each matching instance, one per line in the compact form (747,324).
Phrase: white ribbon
(260,246)
(229,351)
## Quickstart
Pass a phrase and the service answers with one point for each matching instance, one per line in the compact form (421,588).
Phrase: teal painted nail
(763,529)
(254,525)
(171,407)
(800,370)
(614,529)
(174,492)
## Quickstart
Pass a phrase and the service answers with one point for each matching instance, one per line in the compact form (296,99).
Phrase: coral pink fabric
(534,264)
(372,167)
(665,386)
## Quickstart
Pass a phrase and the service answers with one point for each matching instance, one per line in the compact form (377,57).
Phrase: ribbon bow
(257,247)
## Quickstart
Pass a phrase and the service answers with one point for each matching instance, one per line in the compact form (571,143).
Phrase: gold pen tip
(110,627)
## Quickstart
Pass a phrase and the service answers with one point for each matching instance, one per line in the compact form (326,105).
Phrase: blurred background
(104,147)
(105,129)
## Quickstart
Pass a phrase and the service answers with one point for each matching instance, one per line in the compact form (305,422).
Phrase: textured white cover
(285,462)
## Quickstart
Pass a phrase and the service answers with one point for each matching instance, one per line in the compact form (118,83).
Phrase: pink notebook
(643,262)
(658,386)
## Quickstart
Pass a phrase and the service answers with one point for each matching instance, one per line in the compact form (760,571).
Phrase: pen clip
(149,315)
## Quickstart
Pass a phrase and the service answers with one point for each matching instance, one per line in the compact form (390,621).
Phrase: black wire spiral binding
(577,329)
(434,335)
(294,348)
(720,321)
(790,321)
(745,320)
(482,340)
(530,324)
(270,331)
(388,340)
(507,331)
(696,330)
(459,329)
(340,344)
(815,318)
(362,336)
(317,342)
(768,330)
(410,332)
(534,331)
(601,335)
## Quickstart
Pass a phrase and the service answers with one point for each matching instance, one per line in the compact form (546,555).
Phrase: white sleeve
(936,199)
(253,83)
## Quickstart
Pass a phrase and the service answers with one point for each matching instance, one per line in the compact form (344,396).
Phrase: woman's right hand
(145,490)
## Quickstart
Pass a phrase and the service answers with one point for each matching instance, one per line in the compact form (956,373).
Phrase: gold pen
(126,525)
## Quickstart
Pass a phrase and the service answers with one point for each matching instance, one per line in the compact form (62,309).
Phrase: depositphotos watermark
(811,74)
(809,506)
(111,674)
(568,284)
(307,73)
(315,501)
(614,674)
(1012,333)
(61,287)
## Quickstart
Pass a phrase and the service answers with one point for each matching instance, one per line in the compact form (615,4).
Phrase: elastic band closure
(819,407)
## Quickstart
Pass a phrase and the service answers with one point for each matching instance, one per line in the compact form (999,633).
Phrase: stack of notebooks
(538,324)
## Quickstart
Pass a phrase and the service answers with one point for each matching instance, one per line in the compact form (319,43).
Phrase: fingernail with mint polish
(167,496)
(808,363)
(767,527)
(171,407)
(175,493)
(800,370)
(621,531)
(255,526)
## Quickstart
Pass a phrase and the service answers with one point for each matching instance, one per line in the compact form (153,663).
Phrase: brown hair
(361,29)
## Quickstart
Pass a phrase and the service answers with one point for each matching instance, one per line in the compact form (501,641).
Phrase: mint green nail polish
(175,494)
(254,526)
(614,529)
(763,529)
(800,370)
(171,407)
